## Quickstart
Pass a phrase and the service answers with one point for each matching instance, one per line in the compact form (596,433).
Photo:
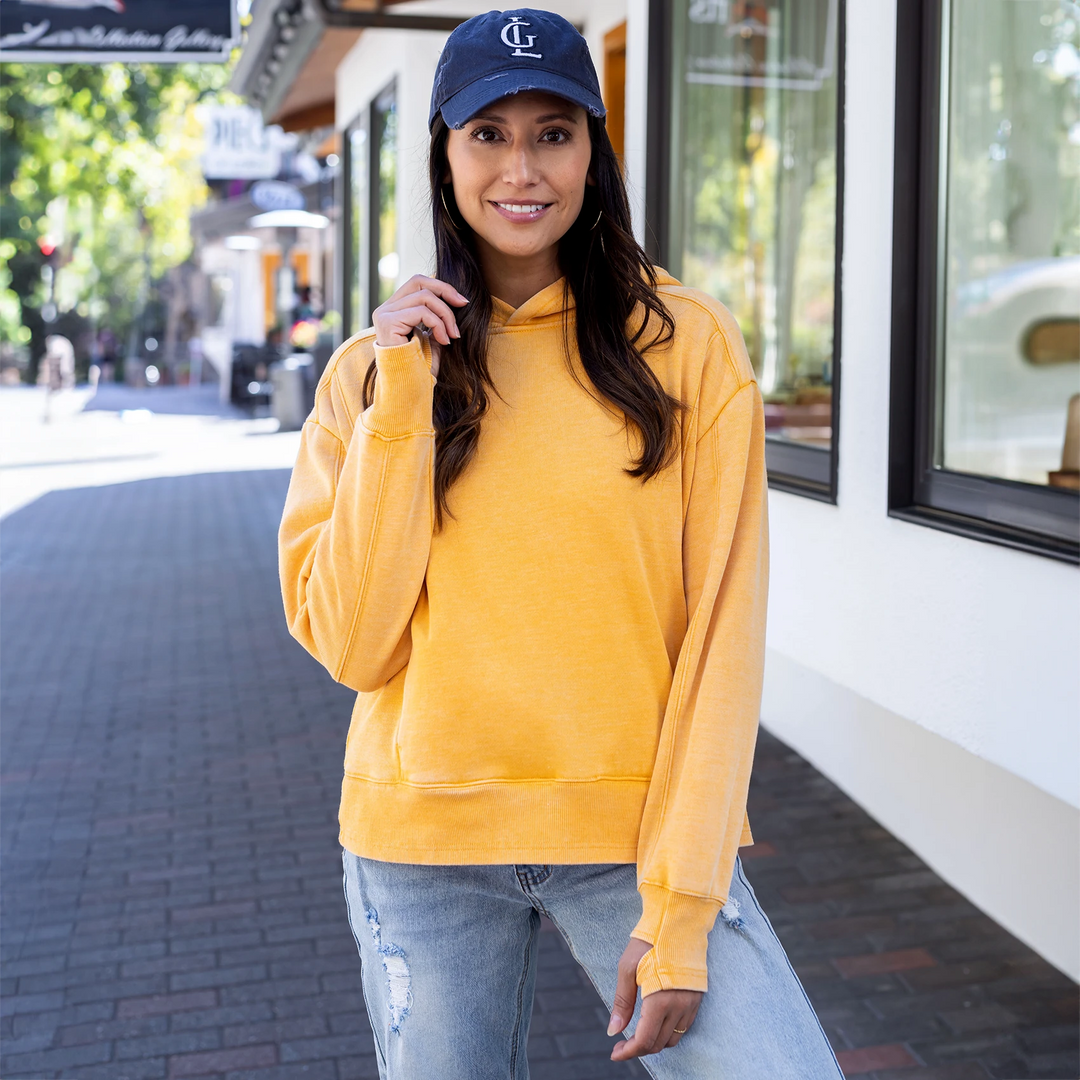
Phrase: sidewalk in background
(122,433)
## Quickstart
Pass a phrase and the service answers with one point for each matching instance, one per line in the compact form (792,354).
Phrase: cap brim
(478,95)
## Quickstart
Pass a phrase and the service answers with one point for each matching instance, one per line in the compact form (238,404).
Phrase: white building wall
(933,677)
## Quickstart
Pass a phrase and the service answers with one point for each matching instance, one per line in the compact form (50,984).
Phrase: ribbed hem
(536,821)
(403,391)
(677,926)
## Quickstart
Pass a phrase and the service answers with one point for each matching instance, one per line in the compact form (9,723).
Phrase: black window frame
(1027,517)
(369,118)
(810,471)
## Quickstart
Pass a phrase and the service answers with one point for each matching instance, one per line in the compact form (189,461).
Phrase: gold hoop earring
(442,195)
(597,221)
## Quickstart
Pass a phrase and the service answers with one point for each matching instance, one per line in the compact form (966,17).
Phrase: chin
(523,251)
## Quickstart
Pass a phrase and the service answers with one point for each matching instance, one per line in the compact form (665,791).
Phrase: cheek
(576,175)
(466,173)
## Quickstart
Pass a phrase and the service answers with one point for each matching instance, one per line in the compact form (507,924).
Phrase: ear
(590,180)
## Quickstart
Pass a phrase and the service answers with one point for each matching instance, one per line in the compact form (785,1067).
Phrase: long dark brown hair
(613,283)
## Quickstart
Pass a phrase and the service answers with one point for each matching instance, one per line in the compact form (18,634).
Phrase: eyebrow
(547,118)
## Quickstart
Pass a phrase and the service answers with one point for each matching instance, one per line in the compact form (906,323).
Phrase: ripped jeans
(448,957)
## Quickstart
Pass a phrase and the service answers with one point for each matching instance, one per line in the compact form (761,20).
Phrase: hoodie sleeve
(695,809)
(356,530)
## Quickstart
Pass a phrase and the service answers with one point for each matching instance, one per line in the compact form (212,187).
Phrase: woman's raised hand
(422,302)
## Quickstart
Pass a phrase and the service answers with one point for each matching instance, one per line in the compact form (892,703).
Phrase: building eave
(285,37)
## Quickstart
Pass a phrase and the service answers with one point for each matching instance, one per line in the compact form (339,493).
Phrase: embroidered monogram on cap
(512,37)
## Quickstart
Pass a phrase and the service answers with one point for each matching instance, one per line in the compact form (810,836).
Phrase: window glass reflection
(1010,311)
(754,189)
(359,163)
(386,252)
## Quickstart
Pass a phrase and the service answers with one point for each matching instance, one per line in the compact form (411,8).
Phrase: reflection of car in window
(1012,350)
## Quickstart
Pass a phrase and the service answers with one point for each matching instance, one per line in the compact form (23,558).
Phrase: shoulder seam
(331,373)
(735,393)
(333,434)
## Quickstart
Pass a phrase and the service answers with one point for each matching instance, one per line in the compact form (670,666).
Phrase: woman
(527,524)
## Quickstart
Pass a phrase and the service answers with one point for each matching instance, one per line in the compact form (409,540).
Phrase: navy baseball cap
(505,52)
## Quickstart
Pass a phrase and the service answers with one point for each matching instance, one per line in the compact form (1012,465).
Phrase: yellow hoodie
(570,670)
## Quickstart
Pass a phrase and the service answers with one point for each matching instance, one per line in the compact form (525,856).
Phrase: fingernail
(616,1024)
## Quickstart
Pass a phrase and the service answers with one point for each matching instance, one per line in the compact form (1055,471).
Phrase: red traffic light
(47,245)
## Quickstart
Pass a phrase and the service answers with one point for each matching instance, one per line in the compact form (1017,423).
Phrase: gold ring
(679,1031)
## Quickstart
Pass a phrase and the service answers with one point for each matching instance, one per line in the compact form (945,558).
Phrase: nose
(520,167)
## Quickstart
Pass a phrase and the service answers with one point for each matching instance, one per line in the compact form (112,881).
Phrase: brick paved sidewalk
(171,878)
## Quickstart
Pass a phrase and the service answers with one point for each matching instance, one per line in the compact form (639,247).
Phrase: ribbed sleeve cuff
(677,927)
(403,391)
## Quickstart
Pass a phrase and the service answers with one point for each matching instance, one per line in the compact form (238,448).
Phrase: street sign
(97,31)
(238,146)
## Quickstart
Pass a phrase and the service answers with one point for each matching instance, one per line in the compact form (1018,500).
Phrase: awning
(288,62)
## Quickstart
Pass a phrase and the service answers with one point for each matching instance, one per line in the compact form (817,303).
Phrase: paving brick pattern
(909,979)
(171,885)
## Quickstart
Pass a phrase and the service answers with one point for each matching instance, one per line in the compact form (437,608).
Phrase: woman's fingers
(665,1017)
(625,996)
(435,285)
(418,294)
(647,1038)
(423,316)
(681,1026)
(428,299)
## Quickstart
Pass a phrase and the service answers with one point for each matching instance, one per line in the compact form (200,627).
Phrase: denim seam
(794,975)
(527,881)
(515,1043)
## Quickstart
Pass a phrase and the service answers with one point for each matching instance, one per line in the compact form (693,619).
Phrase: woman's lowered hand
(666,1015)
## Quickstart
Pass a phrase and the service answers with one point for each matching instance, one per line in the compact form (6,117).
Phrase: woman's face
(519,170)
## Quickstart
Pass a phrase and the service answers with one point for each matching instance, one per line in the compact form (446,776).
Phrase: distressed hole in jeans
(732,915)
(396,966)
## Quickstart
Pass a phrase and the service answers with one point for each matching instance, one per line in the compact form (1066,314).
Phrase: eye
(556,136)
(484,134)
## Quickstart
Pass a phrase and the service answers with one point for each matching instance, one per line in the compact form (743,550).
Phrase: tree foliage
(104,159)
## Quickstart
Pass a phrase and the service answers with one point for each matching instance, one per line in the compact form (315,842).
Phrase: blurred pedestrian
(528,524)
(56,371)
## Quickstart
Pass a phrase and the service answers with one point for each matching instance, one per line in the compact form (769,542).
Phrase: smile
(521,211)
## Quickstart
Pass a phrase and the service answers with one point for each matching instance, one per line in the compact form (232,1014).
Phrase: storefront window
(1009,309)
(753,188)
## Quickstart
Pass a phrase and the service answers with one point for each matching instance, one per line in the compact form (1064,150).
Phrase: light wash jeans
(448,957)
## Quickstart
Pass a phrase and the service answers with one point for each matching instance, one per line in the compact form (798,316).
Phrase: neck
(516,278)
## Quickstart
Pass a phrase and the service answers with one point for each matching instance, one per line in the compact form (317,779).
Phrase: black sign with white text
(96,31)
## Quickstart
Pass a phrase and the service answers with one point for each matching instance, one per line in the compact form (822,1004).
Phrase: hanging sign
(97,31)
(238,146)
(277,195)
(770,43)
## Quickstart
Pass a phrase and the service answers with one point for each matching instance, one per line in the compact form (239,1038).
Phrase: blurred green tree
(103,160)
